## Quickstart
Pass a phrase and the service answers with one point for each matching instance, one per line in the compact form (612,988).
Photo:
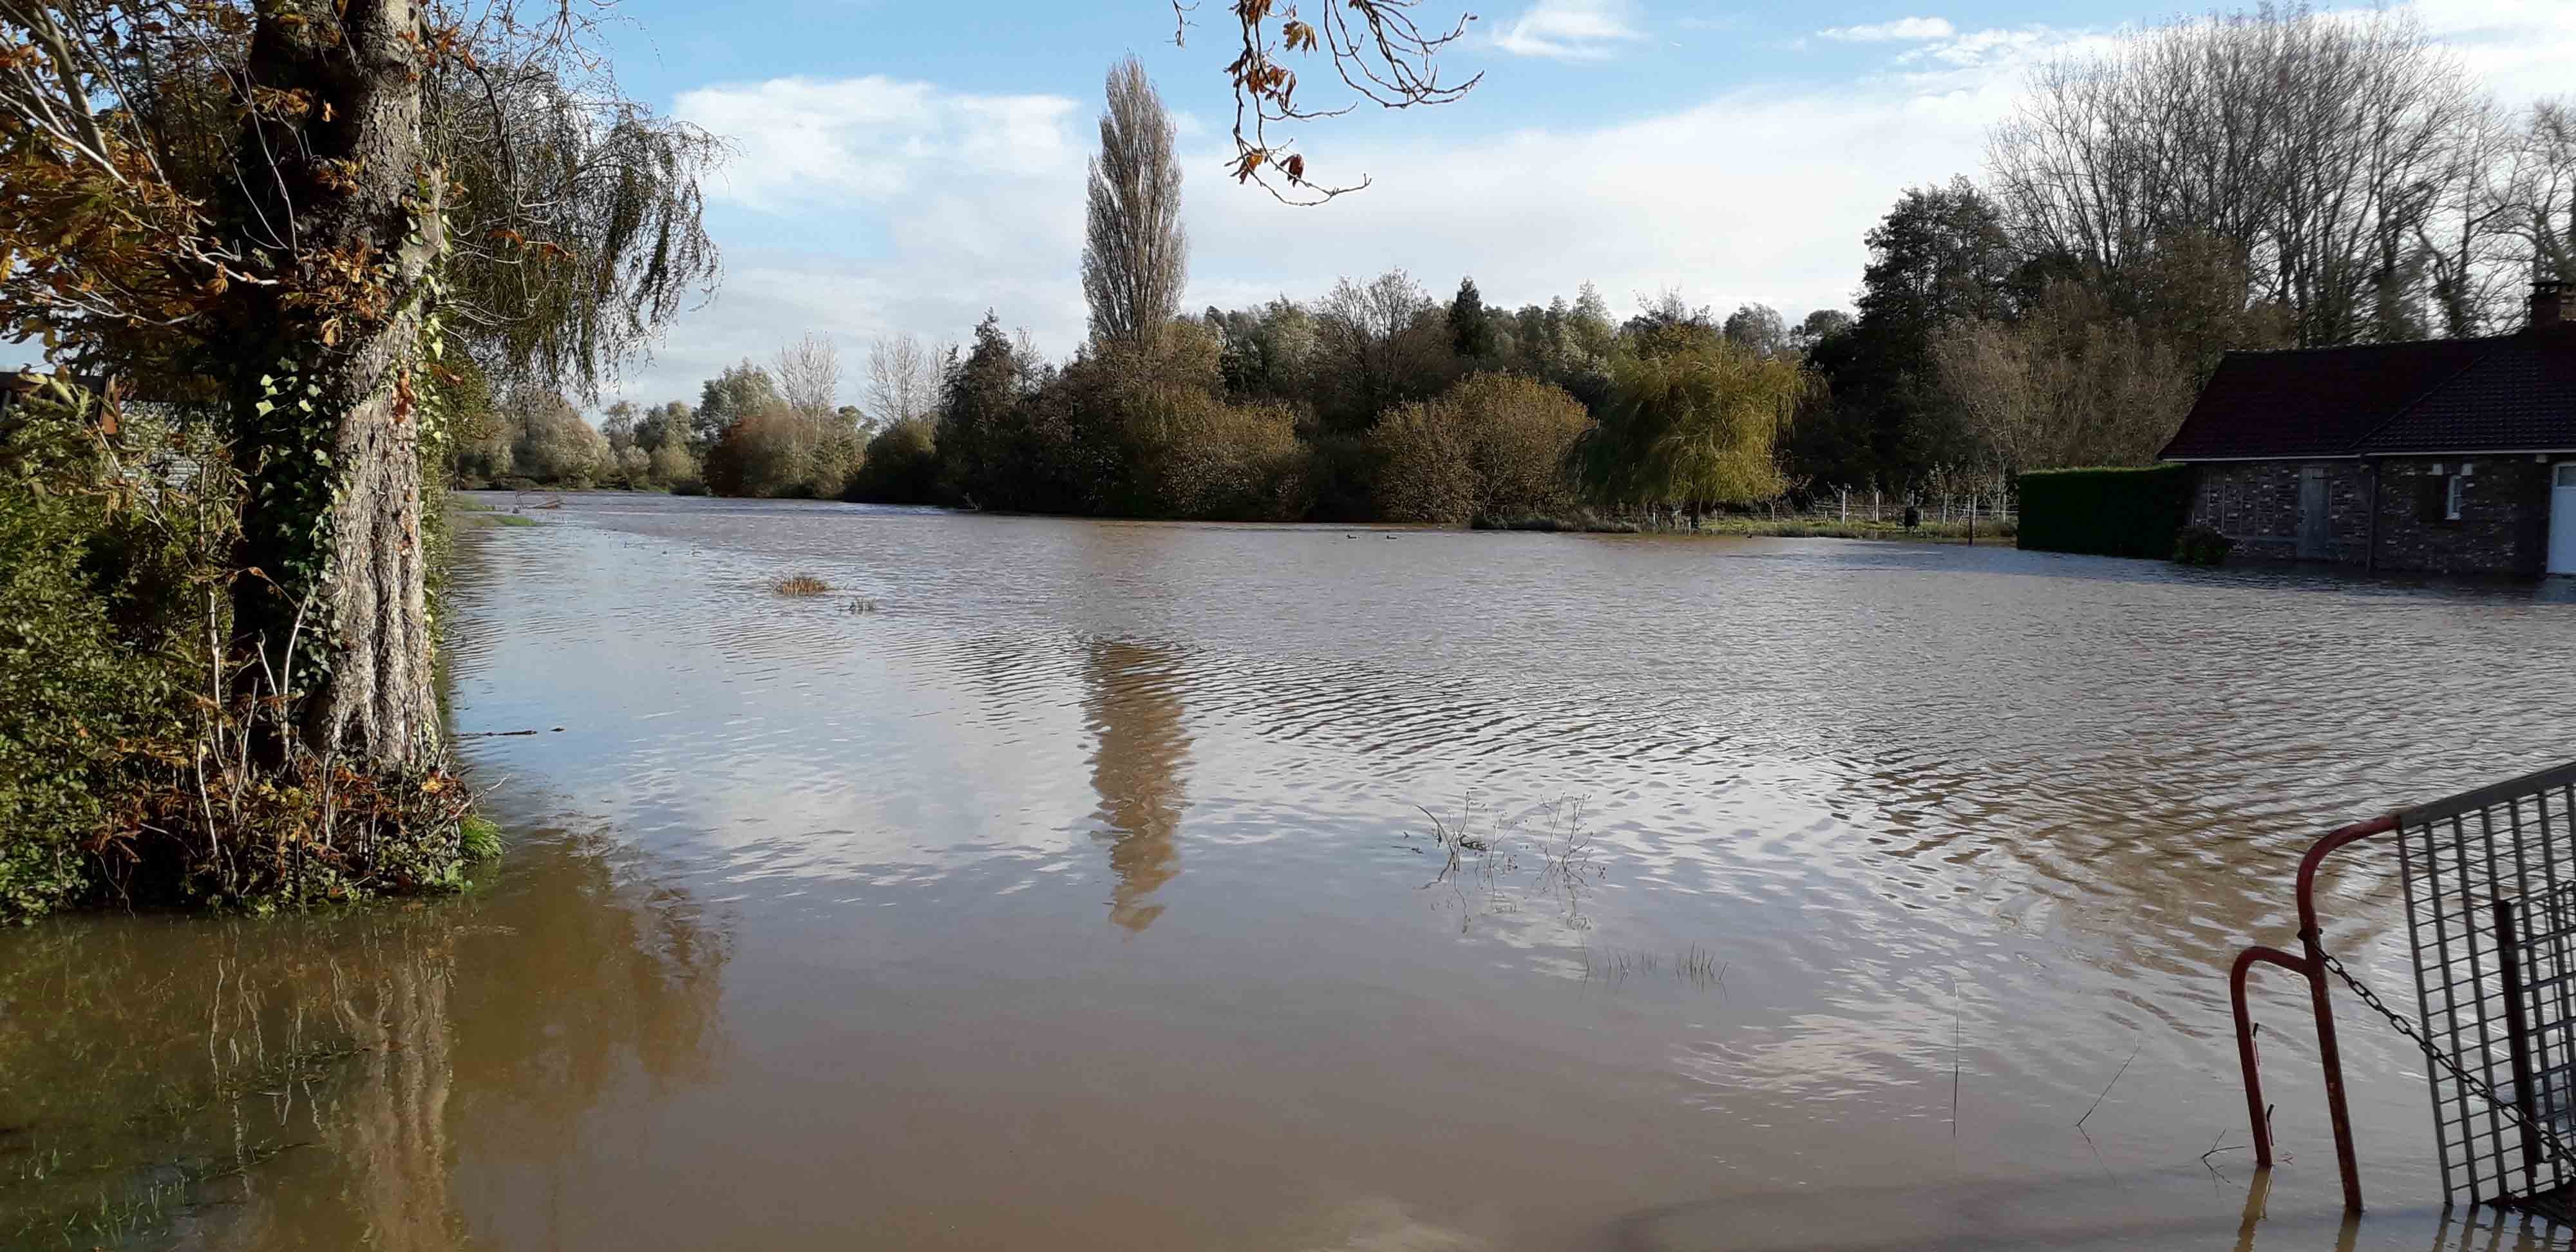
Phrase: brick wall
(2502,528)
(2256,503)
(2503,523)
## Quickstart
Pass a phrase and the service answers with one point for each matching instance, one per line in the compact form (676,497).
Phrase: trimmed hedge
(2106,512)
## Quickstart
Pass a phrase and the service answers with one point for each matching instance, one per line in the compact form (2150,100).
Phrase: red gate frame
(2311,965)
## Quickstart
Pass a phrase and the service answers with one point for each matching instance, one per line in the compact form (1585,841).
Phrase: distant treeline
(1377,402)
(2132,227)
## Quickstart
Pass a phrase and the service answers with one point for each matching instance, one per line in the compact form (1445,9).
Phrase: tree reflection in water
(1140,753)
(293,1082)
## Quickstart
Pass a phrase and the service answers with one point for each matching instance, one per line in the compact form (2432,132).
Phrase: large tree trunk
(325,418)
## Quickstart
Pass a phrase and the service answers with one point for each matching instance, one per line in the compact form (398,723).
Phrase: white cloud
(1760,193)
(937,205)
(1981,47)
(1572,30)
(1903,29)
(2521,48)
(800,141)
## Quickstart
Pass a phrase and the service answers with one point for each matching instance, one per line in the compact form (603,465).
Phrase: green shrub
(127,763)
(1424,473)
(901,466)
(777,451)
(1235,462)
(1493,446)
(1520,436)
(671,466)
(2202,545)
(2106,512)
(99,566)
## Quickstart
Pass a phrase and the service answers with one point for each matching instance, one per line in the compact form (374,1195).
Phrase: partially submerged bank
(1748,526)
(144,759)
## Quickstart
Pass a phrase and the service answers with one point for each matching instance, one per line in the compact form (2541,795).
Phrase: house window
(2442,494)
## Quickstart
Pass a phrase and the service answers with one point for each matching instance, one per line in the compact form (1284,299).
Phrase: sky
(899,167)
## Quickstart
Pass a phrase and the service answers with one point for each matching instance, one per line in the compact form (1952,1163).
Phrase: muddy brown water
(1079,892)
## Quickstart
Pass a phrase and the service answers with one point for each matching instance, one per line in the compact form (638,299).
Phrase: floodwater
(1091,886)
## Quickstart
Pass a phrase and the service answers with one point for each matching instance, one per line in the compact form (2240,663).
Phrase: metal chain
(2478,1086)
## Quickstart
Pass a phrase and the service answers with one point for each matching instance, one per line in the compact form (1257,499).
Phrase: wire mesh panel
(2490,879)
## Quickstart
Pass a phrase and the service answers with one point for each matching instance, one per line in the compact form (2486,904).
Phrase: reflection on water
(803,944)
(2084,1215)
(312,1082)
(1139,754)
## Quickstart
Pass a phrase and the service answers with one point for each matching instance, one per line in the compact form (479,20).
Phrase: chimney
(2548,304)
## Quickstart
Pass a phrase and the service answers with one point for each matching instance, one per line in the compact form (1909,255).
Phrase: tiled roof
(2519,397)
(2315,401)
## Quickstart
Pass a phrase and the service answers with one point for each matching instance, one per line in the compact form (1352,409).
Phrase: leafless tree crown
(903,379)
(809,375)
(2352,160)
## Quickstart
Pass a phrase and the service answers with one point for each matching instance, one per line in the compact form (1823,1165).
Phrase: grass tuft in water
(1477,865)
(479,839)
(800,585)
(1694,965)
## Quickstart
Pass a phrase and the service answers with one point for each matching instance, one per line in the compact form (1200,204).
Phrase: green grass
(481,839)
(1811,528)
(484,512)
(74,1203)
(1764,527)
(1585,523)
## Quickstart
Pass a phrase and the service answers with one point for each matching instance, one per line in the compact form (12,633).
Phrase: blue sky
(899,167)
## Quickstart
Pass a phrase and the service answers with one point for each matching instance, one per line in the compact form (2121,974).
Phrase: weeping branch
(575,214)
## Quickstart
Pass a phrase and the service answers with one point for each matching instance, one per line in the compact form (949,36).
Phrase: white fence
(1939,508)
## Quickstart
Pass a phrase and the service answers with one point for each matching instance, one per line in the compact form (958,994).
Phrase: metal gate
(2489,880)
(2491,915)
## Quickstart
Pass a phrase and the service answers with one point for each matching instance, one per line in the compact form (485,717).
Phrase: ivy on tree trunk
(326,417)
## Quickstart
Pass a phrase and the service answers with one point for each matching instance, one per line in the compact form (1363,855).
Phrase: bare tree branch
(1378,50)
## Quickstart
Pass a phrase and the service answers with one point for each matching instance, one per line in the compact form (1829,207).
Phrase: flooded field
(1093,885)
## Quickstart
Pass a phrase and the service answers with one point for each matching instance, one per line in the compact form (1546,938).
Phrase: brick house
(2454,456)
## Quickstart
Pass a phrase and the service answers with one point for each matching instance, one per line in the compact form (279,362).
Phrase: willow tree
(1134,253)
(306,212)
(1692,422)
